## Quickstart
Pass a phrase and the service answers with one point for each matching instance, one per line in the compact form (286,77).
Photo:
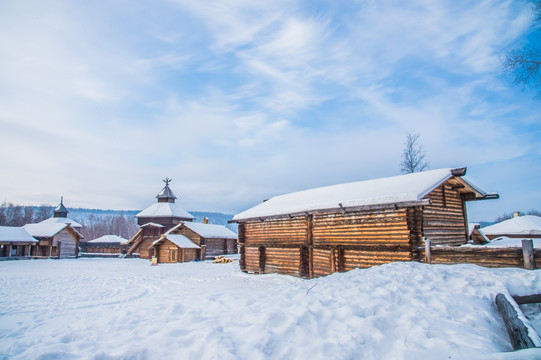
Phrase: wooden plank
(528,254)
(519,332)
(528,299)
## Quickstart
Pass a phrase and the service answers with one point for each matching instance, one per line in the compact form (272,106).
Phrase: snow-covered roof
(507,242)
(209,231)
(403,189)
(61,220)
(165,209)
(152,224)
(179,240)
(109,239)
(520,225)
(15,234)
(48,229)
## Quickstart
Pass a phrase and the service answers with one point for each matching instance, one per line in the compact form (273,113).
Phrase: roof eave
(342,209)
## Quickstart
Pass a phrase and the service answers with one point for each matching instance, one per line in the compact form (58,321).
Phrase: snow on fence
(525,257)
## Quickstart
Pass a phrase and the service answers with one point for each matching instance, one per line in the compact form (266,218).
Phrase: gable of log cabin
(181,229)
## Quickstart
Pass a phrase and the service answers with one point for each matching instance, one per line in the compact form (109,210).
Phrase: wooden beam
(428,256)
(520,334)
(527,251)
(528,299)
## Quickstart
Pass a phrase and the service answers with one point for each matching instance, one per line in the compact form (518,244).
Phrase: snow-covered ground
(127,309)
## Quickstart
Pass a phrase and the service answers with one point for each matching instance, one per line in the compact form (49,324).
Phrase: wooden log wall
(364,259)
(167,252)
(190,254)
(143,247)
(282,261)
(68,243)
(251,259)
(282,232)
(381,228)
(215,247)
(232,246)
(322,262)
(444,220)
(487,257)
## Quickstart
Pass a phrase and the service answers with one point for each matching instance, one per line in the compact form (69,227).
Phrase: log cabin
(56,240)
(16,243)
(337,228)
(214,240)
(106,246)
(156,220)
(173,248)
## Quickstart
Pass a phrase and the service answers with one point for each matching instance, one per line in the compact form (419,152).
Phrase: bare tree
(28,215)
(45,211)
(525,63)
(413,156)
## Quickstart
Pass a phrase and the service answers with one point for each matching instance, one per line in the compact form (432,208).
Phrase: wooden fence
(482,256)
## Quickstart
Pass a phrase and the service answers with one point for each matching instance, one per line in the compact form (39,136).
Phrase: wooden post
(519,333)
(428,256)
(527,253)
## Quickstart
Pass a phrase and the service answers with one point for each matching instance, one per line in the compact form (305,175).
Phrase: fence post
(428,257)
(528,254)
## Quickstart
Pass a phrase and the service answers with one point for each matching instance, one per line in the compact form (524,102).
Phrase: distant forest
(96,222)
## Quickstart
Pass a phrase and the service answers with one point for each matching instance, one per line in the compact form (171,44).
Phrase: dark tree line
(94,225)
(18,215)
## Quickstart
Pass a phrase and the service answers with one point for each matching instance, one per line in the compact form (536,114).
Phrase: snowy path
(126,309)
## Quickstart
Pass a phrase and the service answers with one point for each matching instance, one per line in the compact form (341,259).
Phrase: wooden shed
(57,240)
(155,221)
(16,243)
(104,246)
(173,248)
(337,228)
(214,240)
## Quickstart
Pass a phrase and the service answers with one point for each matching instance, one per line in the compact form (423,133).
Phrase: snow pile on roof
(520,225)
(202,310)
(210,231)
(45,229)
(109,239)
(507,242)
(179,240)
(390,190)
(61,220)
(15,234)
(165,209)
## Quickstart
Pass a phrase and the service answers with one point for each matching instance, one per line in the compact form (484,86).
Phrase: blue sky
(241,100)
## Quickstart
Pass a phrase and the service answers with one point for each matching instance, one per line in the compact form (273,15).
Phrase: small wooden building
(16,243)
(528,226)
(214,240)
(173,248)
(56,240)
(356,225)
(156,220)
(106,246)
